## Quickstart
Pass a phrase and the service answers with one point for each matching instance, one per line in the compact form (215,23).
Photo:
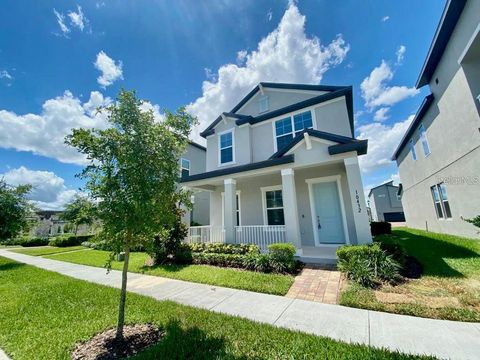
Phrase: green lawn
(47,250)
(448,289)
(43,314)
(212,275)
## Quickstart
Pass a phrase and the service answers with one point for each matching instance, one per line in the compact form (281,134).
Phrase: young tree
(133,173)
(80,210)
(15,210)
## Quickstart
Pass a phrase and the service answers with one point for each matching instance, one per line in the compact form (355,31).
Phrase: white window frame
(220,147)
(263,101)
(440,201)
(183,168)
(264,191)
(238,193)
(411,145)
(291,116)
(423,139)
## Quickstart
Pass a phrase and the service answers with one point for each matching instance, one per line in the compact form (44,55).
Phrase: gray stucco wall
(452,126)
(277,99)
(252,207)
(256,143)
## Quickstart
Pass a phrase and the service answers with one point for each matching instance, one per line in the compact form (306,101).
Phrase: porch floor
(319,283)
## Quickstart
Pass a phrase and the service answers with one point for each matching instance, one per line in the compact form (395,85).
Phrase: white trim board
(310,183)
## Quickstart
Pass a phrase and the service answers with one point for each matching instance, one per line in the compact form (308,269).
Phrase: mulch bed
(104,346)
(412,268)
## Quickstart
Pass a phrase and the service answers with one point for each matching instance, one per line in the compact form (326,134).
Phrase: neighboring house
(439,156)
(193,162)
(385,203)
(282,166)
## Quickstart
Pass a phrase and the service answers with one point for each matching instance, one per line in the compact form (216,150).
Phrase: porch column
(290,210)
(357,196)
(230,209)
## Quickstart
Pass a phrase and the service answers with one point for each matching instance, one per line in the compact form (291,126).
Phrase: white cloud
(49,191)
(284,55)
(400,54)
(381,114)
(61,22)
(44,133)
(385,18)
(111,70)
(382,142)
(241,57)
(78,19)
(376,92)
(4,74)
(269,15)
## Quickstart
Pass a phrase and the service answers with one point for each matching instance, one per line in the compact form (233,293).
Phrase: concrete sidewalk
(440,338)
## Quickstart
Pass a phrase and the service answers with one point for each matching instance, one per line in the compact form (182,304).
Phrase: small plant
(220,248)
(368,265)
(282,257)
(380,227)
(69,240)
(474,221)
(27,241)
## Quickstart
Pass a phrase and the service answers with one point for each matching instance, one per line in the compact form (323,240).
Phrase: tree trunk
(123,295)
(76,229)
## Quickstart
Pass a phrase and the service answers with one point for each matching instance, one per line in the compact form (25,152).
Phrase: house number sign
(358,201)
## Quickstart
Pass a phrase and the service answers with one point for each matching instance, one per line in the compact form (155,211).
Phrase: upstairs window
(184,167)
(440,201)
(302,121)
(423,138)
(412,149)
(287,128)
(226,148)
(263,104)
(283,131)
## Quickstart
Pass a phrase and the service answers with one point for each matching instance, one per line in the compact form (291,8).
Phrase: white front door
(328,217)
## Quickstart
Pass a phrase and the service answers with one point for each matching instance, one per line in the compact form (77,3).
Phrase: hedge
(68,240)
(27,241)
(380,228)
(220,248)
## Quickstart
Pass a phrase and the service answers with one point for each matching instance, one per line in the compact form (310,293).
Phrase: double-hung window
(440,200)
(184,167)
(226,143)
(287,128)
(423,138)
(274,207)
(412,149)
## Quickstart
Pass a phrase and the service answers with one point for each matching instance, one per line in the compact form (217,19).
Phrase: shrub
(166,245)
(27,241)
(220,248)
(380,227)
(368,265)
(282,257)
(69,240)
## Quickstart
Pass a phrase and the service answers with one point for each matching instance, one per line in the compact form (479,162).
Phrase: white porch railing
(205,234)
(260,235)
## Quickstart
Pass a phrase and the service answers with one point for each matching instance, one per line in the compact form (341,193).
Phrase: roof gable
(333,92)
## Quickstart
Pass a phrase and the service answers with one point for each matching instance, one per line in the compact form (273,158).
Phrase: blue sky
(60,59)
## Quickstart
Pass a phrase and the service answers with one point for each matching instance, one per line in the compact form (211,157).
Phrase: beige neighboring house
(282,166)
(439,156)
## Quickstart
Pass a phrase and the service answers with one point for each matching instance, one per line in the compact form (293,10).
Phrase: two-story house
(385,204)
(194,161)
(282,166)
(439,156)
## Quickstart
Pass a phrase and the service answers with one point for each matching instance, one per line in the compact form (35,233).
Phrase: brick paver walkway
(317,283)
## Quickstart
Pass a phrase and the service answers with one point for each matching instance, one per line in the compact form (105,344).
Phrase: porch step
(318,260)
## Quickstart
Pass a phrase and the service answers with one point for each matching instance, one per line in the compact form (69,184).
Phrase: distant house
(385,204)
(439,156)
(282,166)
